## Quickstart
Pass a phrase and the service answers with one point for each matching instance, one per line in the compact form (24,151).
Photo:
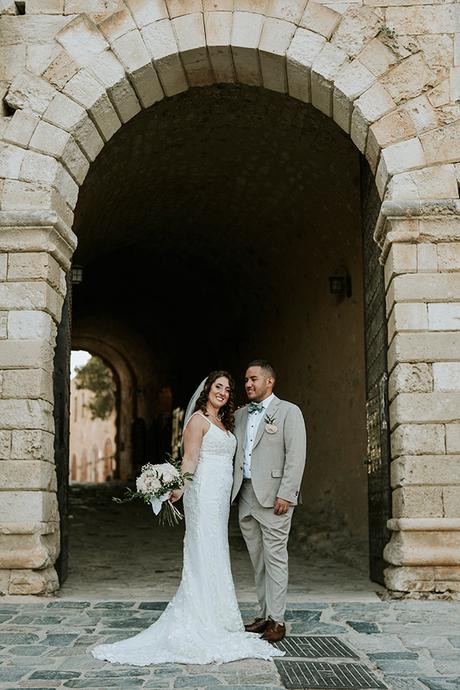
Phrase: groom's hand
(281,506)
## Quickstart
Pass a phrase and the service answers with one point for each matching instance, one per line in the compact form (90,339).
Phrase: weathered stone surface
(132,53)
(191,41)
(423,549)
(33,581)
(320,19)
(325,68)
(432,182)
(426,470)
(402,258)
(357,27)
(418,438)
(453,438)
(426,287)
(27,92)
(304,48)
(446,376)
(442,145)
(274,41)
(407,317)
(36,265)
(218,27)
(28,551)
(36,505)
(160,41)
(369,107)
(425,407)
(448,256)
(409,78)
(34,383)
(246,33)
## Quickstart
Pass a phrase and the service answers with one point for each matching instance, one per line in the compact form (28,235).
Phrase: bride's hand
(176,495)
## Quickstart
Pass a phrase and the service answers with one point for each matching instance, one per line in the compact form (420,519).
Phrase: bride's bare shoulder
(198,422)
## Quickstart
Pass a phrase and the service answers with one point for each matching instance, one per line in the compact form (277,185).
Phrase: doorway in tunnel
(229,223)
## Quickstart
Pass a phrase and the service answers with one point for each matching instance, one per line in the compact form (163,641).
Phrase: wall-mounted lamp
(340,282)
(76,274)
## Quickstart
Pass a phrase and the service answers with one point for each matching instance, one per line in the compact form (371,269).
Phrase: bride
(202,624)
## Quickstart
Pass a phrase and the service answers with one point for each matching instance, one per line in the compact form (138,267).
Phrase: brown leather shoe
(258,626)
(274,632)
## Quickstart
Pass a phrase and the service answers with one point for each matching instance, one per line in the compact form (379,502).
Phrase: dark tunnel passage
(208,229)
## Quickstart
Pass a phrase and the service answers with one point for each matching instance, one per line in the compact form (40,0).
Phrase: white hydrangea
(150,478)
(148,483)
(168,472)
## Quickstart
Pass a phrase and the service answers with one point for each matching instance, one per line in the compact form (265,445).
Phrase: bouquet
(155,484)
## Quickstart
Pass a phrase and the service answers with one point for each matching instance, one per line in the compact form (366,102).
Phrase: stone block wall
(74,71)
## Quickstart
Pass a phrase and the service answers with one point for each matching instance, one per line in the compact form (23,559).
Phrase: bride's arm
(193,438)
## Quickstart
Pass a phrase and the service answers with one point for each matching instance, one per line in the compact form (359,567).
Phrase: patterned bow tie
(255,407)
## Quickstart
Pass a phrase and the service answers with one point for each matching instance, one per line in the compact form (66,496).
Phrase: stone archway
(355,68)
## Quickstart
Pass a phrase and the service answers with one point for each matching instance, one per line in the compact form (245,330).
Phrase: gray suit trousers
(266,536)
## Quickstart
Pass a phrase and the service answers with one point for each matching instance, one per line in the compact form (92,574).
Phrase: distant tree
(97,377)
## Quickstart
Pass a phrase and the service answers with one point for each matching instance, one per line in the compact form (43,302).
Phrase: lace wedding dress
(202,624)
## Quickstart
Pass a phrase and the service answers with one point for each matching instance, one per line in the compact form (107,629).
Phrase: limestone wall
(386,72)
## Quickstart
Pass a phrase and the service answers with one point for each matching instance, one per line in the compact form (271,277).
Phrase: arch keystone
(218,27)
(191,41)
(246,33)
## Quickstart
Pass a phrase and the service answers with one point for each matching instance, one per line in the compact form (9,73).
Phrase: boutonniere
(270,426)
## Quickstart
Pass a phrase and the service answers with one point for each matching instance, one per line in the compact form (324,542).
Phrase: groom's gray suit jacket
(278,459)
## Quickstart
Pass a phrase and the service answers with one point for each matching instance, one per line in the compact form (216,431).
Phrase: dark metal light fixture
(76,274)
(340,282)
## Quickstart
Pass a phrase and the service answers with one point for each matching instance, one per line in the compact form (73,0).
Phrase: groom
(269,464)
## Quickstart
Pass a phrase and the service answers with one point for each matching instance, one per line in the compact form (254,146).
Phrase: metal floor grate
(316,647)
(322,675)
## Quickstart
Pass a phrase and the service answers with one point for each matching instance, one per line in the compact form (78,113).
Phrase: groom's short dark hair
(263,364)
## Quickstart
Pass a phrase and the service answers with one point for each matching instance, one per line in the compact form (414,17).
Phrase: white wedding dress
(202,624)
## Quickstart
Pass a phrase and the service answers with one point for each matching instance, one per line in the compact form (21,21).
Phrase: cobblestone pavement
(122,570)
(411,645)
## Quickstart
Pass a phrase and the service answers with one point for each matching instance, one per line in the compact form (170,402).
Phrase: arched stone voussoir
(191,42)
(107,71)
(132,52)
(85,46)
(34,99)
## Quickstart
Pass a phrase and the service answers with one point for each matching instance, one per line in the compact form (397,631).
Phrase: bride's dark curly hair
(227,412)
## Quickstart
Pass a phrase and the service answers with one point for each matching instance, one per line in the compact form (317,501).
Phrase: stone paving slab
(413,645)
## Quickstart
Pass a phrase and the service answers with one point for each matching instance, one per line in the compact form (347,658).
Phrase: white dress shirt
(254,419)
